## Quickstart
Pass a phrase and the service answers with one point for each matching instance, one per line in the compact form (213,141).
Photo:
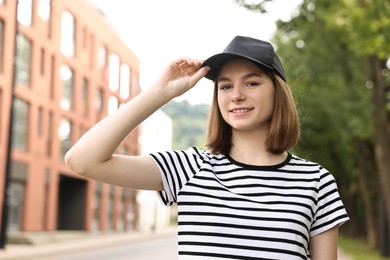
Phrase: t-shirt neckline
(260,167)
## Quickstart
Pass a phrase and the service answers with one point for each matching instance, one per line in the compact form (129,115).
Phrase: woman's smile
(240,111)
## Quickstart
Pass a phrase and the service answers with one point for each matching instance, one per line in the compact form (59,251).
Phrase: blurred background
(65,64)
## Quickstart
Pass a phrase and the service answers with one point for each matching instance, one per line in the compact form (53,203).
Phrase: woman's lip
(240,110)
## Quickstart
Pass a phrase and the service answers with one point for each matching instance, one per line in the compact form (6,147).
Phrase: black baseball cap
(258,51)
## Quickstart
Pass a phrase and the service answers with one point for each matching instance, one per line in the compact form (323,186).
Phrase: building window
(113,76)
(1,45)
(124,90)
(49,134)
(68,39)
(52,76)
(64,135)
(20,124)
(42,61)
(67,90)
(97,206)
(99,101)
(121,211)
(40,121)
(24,15)
(23,60)
(113,104)
(44,7)
(131,209)
(46,200)
(16,199)
(111,208)
(85,97)
(102,57)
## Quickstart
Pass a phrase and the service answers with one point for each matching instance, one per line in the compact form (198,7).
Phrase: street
(161,248)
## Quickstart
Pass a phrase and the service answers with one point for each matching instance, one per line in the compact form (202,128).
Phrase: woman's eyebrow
(223,79)
(253,74)
(246,76)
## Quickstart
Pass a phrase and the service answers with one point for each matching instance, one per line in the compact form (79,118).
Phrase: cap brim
(217,61)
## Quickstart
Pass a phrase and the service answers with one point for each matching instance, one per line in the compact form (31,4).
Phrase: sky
(159,31)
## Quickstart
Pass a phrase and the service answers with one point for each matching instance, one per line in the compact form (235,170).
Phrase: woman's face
(245,96)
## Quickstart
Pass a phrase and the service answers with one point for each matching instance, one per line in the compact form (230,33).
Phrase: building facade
(62,69)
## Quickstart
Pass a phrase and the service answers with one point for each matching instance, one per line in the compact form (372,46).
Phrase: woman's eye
(252,84)
(225,87)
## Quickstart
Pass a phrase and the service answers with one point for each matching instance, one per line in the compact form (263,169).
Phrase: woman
(246,197)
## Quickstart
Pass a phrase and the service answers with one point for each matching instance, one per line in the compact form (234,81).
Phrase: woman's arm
(93,155)
(324,246)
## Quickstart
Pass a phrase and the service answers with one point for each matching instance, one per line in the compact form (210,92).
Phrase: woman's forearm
(101,141)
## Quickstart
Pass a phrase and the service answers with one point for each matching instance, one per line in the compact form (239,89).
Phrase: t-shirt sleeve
(330,208)
(176,169)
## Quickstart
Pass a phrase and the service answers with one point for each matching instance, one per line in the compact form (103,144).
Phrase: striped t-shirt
(230,210)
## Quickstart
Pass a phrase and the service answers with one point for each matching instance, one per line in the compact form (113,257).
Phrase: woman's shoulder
(205,154)
(191,154)
(303,162)
(309,165)
(300,160)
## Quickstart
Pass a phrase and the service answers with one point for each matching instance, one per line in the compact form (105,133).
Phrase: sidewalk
(93,241)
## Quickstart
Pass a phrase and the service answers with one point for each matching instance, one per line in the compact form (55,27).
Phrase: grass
(359,250)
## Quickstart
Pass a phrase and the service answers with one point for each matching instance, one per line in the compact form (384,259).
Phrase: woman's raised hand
(180,76)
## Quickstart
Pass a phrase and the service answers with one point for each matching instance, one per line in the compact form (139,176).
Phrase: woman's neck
(249,148)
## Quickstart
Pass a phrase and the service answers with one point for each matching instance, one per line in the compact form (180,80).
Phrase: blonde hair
(284,129)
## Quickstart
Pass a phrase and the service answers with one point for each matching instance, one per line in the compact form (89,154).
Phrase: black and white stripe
(229,210)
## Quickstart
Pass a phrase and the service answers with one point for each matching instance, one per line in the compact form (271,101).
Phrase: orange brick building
(67,69)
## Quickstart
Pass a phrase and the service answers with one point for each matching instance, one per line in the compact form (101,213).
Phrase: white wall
(156,135)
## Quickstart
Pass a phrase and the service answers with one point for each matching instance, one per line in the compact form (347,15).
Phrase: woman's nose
(237,95)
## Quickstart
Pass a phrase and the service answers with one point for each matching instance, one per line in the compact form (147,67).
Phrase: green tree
(189,123)
(335,55)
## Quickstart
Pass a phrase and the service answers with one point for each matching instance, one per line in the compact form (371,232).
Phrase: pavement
(88,242)
(91,242)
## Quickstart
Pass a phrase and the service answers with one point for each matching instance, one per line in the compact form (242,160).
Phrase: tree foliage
(326,49)
(189,123)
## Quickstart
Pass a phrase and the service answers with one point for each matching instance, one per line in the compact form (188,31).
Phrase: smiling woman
(247,196)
